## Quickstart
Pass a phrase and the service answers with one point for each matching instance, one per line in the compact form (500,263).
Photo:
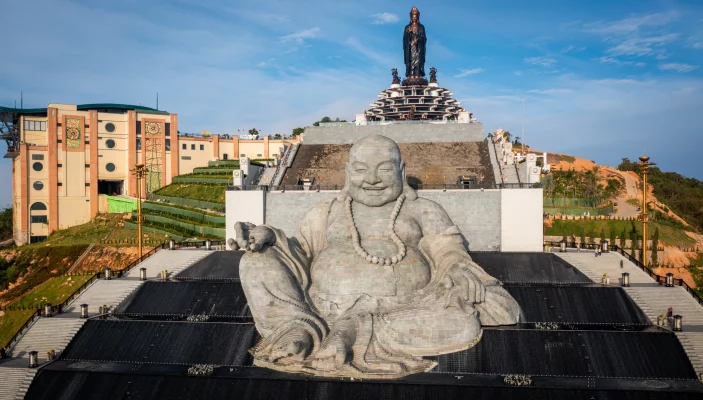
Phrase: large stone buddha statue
(373,281)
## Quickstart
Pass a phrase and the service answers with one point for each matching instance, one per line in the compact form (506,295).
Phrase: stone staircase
(652,298)
(56,332)
(46,334)
(510,173)
(14,382)
(101,292)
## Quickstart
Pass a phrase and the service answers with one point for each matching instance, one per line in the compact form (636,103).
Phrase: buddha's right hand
(252,237)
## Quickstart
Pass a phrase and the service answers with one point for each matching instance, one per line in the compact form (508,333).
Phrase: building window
(168,129)
(242,155)
(259,155)
(110,144)
(192,146)
(184,146)
(202,147)
(38,206)
(39,219)
(168,144)
(87,184)
(37,156)
(185,157)
(139,143)
(34,125)
(110,167)
(225,156)
(37,166)
(110,127)
(37,239)
(59,165)
(38,185)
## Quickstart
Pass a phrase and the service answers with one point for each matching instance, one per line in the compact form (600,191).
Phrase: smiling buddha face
(375,171)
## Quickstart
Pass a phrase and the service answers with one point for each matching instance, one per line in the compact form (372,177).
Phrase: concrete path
(625,209)
(652,298)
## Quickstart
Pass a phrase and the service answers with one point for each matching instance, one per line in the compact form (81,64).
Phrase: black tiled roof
(81,385)
(529,268)
(579,305)
(220,265)
(163,342)
(171,300)
(578,341)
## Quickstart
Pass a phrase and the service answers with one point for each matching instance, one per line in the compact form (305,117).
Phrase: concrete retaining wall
(401,133)
(506,220)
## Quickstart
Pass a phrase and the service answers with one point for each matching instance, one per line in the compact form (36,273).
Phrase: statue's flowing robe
(282,295)
(407,50)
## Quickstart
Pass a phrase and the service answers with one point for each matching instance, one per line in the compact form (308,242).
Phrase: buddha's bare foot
(291,346)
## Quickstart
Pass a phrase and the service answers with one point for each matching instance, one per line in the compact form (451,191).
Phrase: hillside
(675,204)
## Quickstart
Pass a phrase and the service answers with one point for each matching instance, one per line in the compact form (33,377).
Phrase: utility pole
(139,171)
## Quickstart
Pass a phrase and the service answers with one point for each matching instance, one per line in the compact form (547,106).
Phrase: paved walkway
(652,298)
(56,332)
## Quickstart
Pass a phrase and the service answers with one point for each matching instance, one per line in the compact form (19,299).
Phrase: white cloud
(300,37)
(265,63)
(677,67)
(551,91)
(466,72)
(618,62)
(695,42)
(546,62)
(642,46)
(360,48)
(632,24)
(384,18)
(572,49)
(518,73)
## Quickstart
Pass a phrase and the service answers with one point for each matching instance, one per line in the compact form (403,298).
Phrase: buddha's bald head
(375,171)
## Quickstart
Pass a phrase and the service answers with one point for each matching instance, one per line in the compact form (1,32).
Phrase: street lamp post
(139,171)
(644,168)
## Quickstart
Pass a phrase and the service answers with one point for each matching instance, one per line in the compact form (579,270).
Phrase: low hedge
(184,227)
(220,223)
(184,208)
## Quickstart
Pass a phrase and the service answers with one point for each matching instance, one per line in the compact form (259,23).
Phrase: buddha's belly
(339,271)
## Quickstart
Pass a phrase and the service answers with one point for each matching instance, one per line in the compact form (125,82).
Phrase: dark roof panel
(572,353)
(180,300)
(163,342)
(220,265)
(529,268)
(577,305)
(73,385)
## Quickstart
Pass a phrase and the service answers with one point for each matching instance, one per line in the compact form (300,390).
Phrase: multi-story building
(64,157)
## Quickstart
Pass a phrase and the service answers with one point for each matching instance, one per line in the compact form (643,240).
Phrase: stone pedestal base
(414,81)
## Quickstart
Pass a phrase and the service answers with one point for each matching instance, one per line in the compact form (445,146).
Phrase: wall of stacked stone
(401,133)
(477,213)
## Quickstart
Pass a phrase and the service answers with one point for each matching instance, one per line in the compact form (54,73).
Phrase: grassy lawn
(104,226)
(195,191)
(53,291)
(11,322)
(667,235)
(633,202)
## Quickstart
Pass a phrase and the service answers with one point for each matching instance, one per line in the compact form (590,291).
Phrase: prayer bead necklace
(356,239)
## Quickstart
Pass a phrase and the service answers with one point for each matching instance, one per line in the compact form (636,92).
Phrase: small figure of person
(621,264)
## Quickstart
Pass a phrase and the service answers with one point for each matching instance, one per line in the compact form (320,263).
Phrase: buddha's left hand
(462,287)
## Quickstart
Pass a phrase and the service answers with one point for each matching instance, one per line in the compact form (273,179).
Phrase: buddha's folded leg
(426,331)
(278,304)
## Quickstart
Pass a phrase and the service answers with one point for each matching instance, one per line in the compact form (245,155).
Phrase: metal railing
(59,307)
(413,122)
(660,279)
(439,186)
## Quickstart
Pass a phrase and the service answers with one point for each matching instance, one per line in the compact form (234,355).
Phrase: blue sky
(601,79)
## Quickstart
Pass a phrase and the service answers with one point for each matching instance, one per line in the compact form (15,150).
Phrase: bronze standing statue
(414,40)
